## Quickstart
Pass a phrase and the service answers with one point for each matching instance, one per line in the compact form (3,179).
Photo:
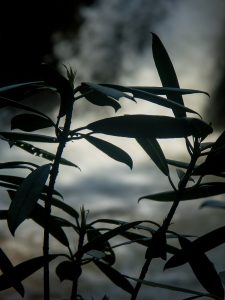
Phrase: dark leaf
(203,268)
(142,126)
(28,137)
(109,92)
(15,181)
(55,202)
(27,196)
(166,72)
(144,241)
(115,276)
(54,224)
(108,235)
(66,208)
(55,79)
(171,90)
(205,146)
(119,222)
(201,191)
(68,270)
(30,122)
(203,244)
(169,287)
(220,142)
(63,222)
(98,98)
(180,173)
(18,164)
(40,152)
(24,270)
(20,85)
(214,162)
(12,103)
(9,186)
(148,95)
(105,247)
(179,164)
(8,270)
(153,149)
(111,150)
(103,95)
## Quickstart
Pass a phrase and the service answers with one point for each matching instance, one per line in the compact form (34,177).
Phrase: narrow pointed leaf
(166,72)
(111,150)
(98,98)
(104,247)
(8,186)
(8,270)
(20,85)
(54,227)
(203,268)
(153,149)
(108,235)
(204,244)
(15,181)
(158,90)
(24,270)
(205,146)
(214,162)
(201,191)
(171,90)
(27,137)
(109,92)
(115,276)
(30,122)
(37,215)
(169,287)
(12,103)
(179,164)
(27,196)
(39,211)
(41,152)
(153,98)
(144,241)
(65,207)
(18,164)
(139,126)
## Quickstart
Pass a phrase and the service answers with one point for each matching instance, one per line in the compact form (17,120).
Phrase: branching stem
(53,175)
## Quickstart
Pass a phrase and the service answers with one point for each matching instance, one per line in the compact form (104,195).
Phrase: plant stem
(169,217)
(182,186)
(141,277)
(52,180)
(78,263)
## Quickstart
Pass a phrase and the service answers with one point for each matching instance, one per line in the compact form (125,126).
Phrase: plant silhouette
(33,196)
